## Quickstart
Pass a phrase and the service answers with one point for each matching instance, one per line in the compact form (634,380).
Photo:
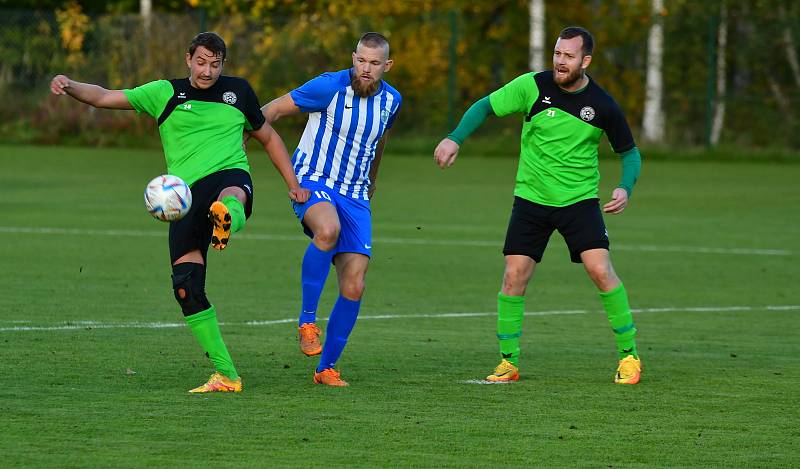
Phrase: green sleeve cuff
(631,166)
(471,120)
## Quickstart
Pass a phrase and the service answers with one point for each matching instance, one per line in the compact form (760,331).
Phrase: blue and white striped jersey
(343,129)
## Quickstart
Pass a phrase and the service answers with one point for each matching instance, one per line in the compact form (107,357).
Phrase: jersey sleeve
(150,98)
(619,134)
(316,94)
(252,110)
(515,96)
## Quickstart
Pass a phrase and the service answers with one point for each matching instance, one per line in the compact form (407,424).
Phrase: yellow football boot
(219,383)
(221,218)
(505,372)
(629,371)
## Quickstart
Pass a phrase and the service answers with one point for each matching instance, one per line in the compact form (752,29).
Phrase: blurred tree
(653,122)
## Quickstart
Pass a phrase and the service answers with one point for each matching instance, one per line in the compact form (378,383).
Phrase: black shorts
(581,224)
(194,230)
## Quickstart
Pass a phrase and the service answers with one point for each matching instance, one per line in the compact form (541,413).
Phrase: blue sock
(343,318)
(316,265)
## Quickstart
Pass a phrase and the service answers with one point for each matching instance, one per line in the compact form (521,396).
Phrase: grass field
(96,361)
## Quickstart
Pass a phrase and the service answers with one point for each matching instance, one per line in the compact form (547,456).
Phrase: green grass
(719,388)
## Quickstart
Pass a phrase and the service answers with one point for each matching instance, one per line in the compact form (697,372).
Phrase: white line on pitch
(77,325)
(393,240)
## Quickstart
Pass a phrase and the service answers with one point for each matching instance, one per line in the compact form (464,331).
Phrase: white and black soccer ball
(167,198)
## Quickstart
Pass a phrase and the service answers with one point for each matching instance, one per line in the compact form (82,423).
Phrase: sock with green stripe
(236,209)
(509,325)
(619,315)
(205,328)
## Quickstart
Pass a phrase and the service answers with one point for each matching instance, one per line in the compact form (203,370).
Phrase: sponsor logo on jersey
(546,100)
(181,95)
(587,113)
(229,97)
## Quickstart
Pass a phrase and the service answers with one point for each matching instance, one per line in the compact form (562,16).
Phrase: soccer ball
(167,198)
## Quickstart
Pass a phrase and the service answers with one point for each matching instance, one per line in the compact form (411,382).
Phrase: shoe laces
(504,367)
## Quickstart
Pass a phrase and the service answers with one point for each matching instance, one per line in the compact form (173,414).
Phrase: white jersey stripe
(341,141)
(326,139)
(357,148)
(306,145)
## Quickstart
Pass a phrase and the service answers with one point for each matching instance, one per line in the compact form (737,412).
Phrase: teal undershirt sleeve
(631,166)
(471,120)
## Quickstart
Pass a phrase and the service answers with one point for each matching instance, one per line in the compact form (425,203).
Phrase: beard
(570,79)
(362,89)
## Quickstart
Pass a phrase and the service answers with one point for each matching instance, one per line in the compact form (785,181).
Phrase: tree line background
(447,54)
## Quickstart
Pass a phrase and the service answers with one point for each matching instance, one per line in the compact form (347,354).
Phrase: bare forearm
(93,95)
(279,107)
(86,93)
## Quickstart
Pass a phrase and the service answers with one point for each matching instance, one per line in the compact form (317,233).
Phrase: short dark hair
(373,39)
(210,41)
(574,31)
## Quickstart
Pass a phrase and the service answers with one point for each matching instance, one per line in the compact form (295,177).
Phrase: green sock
(618,311)
(509,325)
(236,209)
(206,330)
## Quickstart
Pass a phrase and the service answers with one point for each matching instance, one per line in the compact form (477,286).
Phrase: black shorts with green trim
(193,231)
(531,224)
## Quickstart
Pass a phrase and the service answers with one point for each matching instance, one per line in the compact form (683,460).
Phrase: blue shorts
(355,217)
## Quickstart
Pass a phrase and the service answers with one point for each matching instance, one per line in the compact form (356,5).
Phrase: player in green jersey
(201,119)
(565,114)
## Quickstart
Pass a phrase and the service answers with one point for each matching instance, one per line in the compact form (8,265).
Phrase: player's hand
(618,202)
(445,153)
(299,195)
(58,84)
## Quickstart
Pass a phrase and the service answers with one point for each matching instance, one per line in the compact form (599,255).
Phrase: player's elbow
(270,113)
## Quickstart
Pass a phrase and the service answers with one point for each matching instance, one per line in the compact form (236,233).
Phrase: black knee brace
(189,284)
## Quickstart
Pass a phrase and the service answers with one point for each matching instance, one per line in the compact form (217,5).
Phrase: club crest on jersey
(385,116)
(229,97)
(587,113)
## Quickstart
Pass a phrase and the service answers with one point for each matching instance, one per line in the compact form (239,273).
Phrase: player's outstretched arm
(93,95)
(447,150)
(276,149)
(280,107)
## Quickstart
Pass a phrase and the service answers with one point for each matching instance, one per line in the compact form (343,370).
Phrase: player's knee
(189,285)
(325,238)
(353,289)
(602,275)
(515,280)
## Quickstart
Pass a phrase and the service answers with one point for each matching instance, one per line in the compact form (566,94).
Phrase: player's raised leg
(510,311)
(321,220)
(351,268)
(188,280)
(615,301)
(227,216)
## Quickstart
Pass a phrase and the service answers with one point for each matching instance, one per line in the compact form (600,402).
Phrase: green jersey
(560,135)
(201,130)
